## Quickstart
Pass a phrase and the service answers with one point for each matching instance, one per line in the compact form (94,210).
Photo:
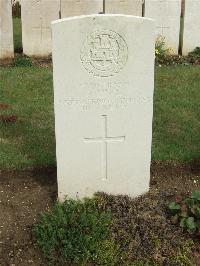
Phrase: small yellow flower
(157,52)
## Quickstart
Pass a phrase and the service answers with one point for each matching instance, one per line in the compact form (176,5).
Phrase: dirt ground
(24,195)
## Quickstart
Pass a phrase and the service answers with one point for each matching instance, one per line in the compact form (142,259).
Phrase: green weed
(76,232)
(22,61)
(186,212)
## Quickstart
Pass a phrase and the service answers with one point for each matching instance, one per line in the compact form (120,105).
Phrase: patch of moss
(182,258)
(76,232)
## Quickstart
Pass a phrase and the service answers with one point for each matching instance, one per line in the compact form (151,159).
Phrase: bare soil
(25,194)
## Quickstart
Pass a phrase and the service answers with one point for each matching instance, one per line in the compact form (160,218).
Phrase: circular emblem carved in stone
(104,53)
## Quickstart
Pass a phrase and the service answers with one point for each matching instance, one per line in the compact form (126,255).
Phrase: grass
(17,30)
(176,126)
(30,141)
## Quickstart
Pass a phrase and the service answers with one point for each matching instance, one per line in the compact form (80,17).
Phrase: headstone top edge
(102,15)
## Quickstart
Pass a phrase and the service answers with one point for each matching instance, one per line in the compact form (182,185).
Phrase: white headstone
(36,25)
(71,8)
(6,30)
(127,7)
(167,16)
(103,89)
(191,34)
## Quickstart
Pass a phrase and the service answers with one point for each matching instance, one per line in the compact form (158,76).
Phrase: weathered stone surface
(6,30)
(127,7)
(103,89)
(36,25)
(71,8)
(167,16)
(191,34)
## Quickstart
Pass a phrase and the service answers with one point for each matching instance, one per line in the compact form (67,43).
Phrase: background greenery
(17,34)
(30,141)
(176,127)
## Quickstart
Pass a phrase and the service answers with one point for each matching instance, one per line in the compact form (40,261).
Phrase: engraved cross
(104,141)
(163,28)
(41,29)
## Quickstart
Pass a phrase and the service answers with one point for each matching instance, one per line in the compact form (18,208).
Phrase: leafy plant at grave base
(22,61)
(160,47)
(76,232)
(195,52)
(186,212)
